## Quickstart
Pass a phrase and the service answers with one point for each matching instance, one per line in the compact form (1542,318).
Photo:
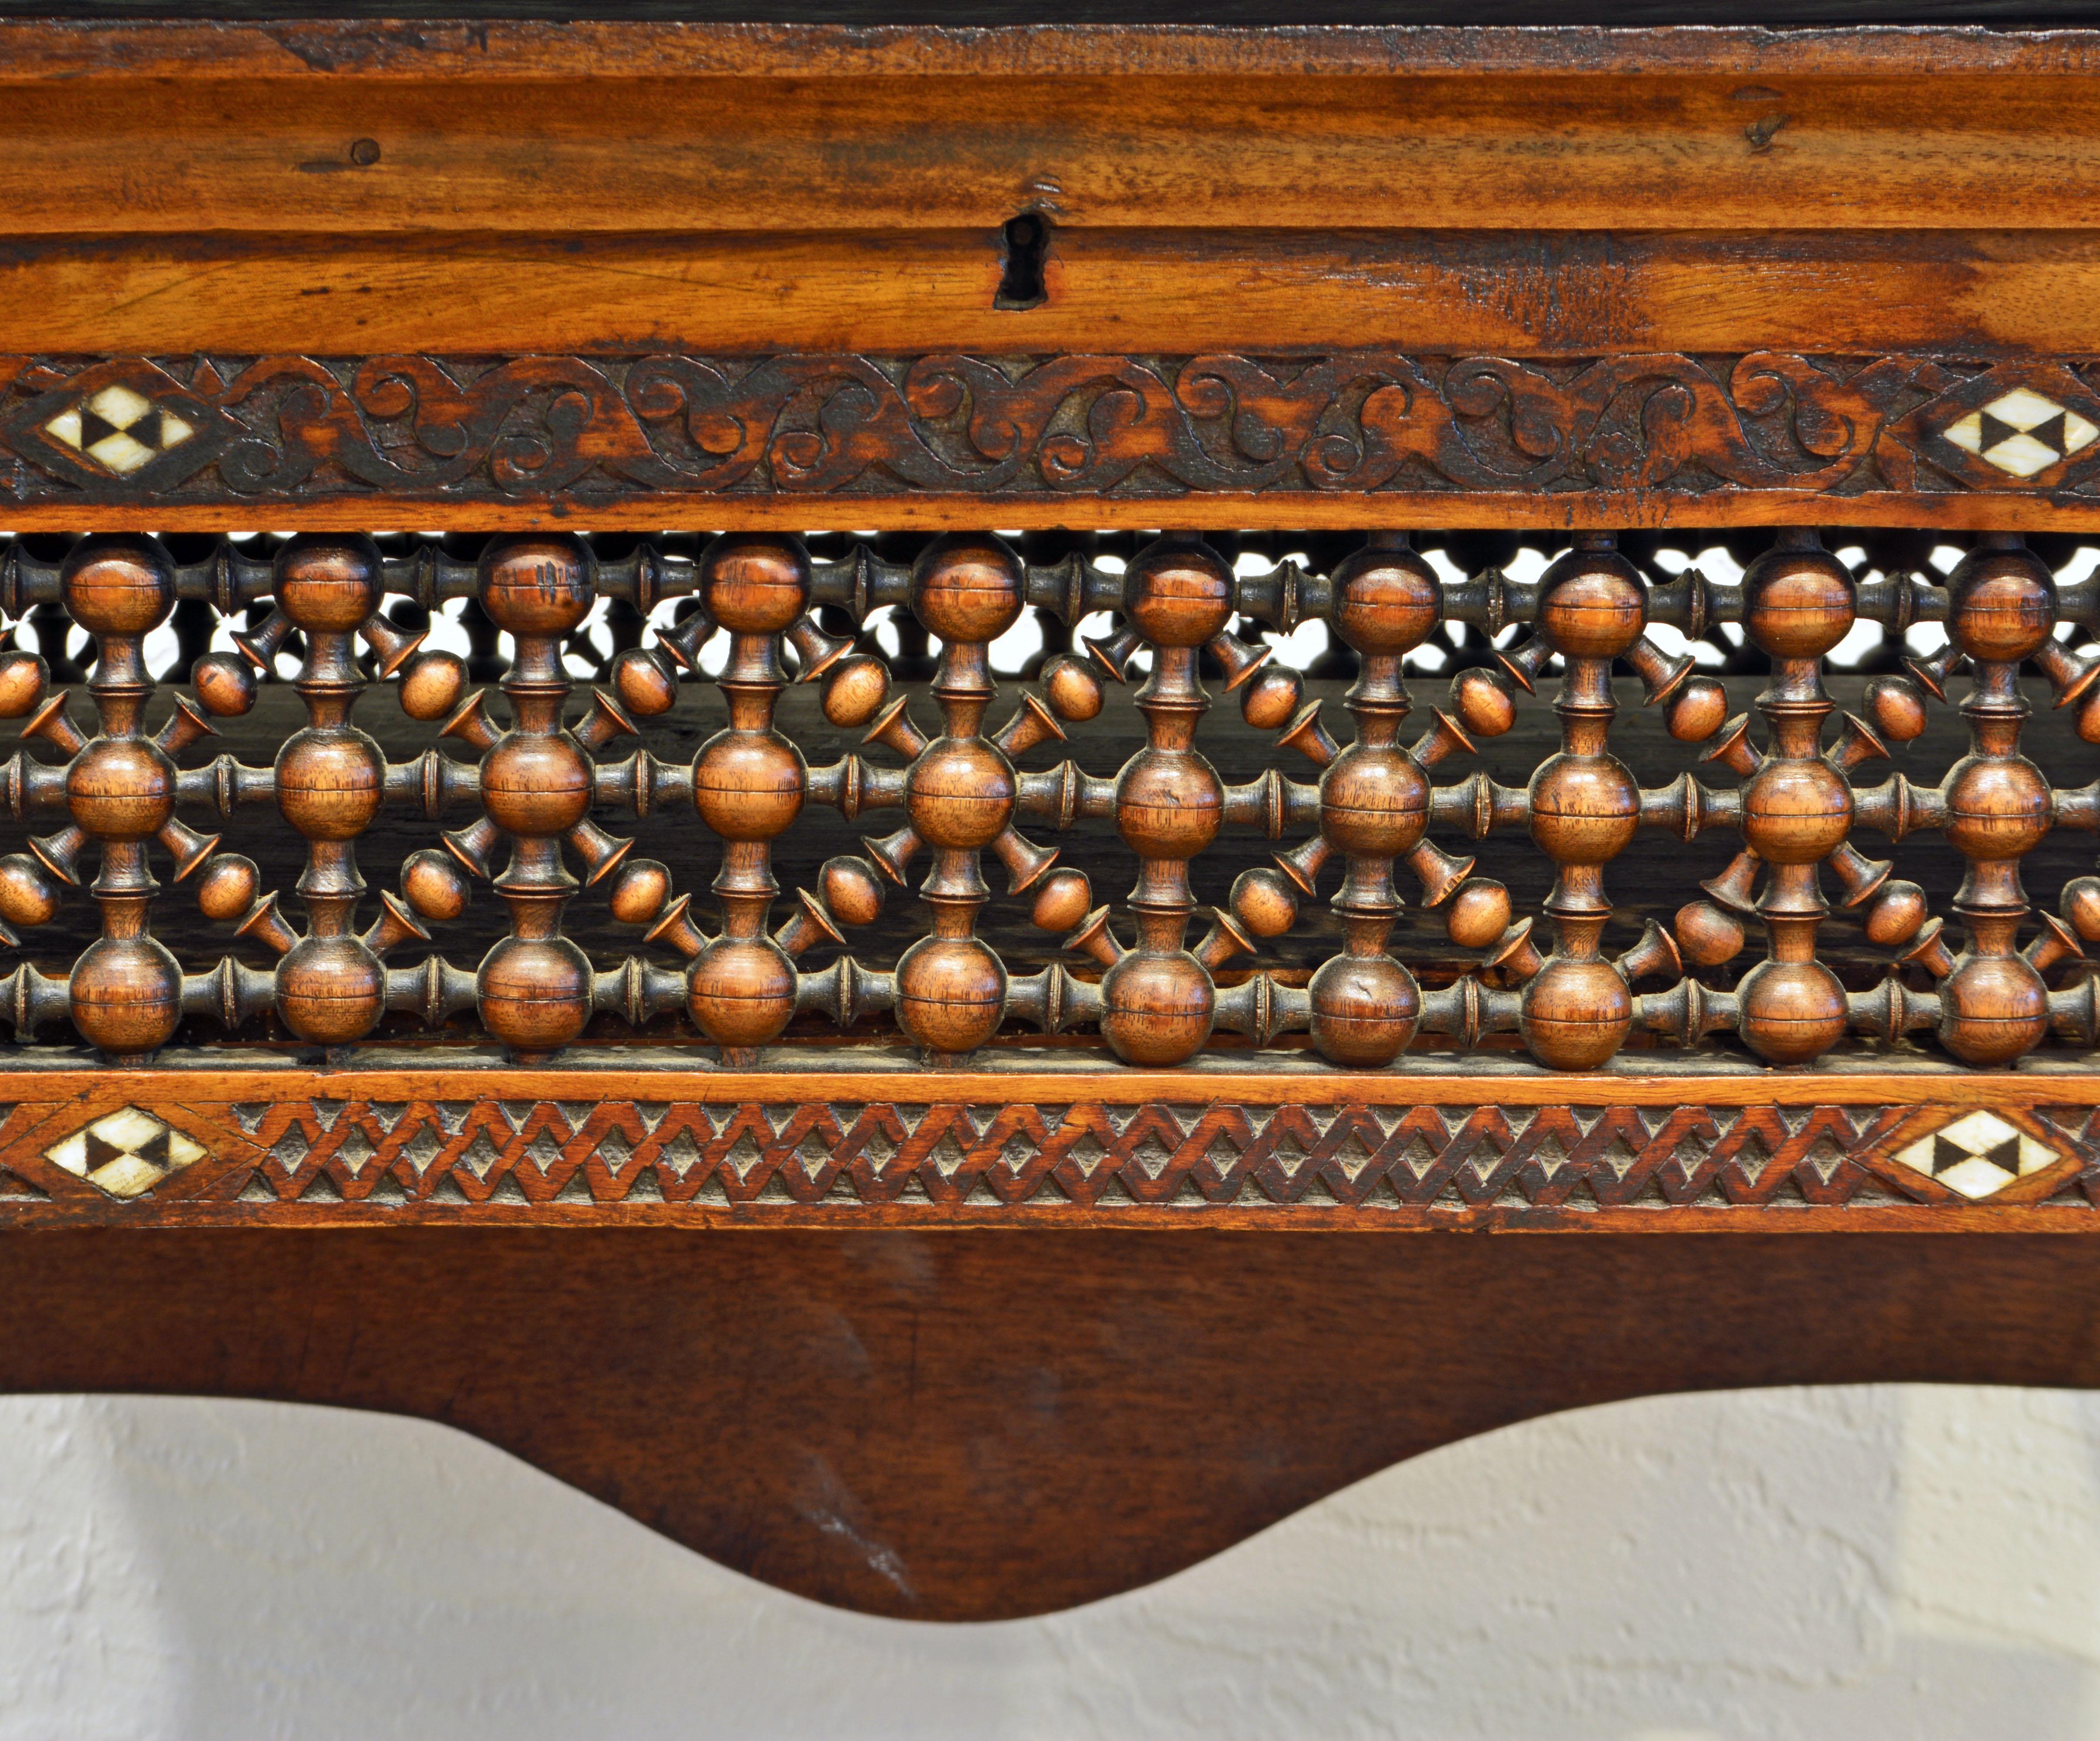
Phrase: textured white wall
(1863,1562)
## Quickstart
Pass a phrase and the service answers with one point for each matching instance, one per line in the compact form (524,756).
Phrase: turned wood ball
(1895,707)
(1386,601)
(324,581)
(1575,1014)
(330,990)
(958,794)
(536,783)
(748,785)
(851,891)
(1697,711)
(1364,1009)
(537,583)
(225,684)
(434,884)
(1997,807)
(117,584)
(534,993)
(855,690)
(1373,801)
(126,996)
(1706,936)
(967,587)
(2080,907)
(639,891)
(644,683)
(120,788)
(227,888)
(951,993)
(1591,604)
(740,991)
(2089,717)
(1064,898)
(1993,1009)
(23,678)
(1798,601)
(28,895)
(1270,696)
(1483,701)
(1265,902)
(431,686)
(1073,691)
(1896,914)
(1585,809)
(1168,804)
(331,781)
(1790,1012)
(1796,811)
(1479,914)
(2000,604)
(1156,1007)
(755,583)
(1180,593)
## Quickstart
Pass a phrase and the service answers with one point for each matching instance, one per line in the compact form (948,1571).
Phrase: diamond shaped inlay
(1978,1154)
(2021,432)
(119,429)
(126,1154)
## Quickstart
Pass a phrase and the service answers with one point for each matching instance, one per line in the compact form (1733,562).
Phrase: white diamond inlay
(1978,1154)
(125,1153)
(119,429)
(2023,408)
(2022,433)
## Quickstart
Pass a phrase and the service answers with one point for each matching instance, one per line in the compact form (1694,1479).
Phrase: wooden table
(982,1249)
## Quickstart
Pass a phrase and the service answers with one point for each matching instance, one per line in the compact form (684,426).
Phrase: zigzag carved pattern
(1086,1153)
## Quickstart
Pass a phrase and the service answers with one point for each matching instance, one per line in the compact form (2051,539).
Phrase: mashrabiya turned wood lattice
(523,801)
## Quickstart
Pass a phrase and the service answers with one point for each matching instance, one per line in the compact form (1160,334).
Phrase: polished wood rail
(952,736)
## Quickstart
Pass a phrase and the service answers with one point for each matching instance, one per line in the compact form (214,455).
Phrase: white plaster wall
(1858,1562)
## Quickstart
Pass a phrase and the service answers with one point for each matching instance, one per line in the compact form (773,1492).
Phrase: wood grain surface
(1547,293)
(1962,150)
(978,1425)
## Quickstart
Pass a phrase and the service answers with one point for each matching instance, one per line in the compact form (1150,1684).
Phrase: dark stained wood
(1247,440)
(972,1427)
(38,45)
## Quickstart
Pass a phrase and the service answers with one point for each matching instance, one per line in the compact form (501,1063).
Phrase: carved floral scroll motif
(292,428)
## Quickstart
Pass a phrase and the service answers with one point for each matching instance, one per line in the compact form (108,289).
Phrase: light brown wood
(1285,509)
(1985,291)
(1960,151)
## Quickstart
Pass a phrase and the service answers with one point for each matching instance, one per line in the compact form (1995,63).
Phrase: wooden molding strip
(35,49)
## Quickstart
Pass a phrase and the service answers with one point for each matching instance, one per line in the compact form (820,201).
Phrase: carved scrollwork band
(586,432)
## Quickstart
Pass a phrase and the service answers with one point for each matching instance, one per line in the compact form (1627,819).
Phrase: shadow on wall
(1872,1561)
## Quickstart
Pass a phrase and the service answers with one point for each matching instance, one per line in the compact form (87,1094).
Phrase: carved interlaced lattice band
(398,1157)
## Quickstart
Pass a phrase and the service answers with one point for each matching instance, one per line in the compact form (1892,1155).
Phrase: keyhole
(1025,243)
